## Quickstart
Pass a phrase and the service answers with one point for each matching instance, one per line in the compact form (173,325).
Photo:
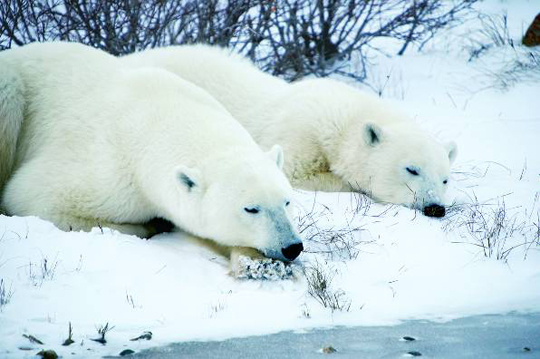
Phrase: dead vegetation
(319,279)
(33,339)
(515,63)
(290,38)
(345,240)
(493,33)
(334,243)
(44,271)
(102,331)
(69,339)
(131,301)
(5,294)
(493,227)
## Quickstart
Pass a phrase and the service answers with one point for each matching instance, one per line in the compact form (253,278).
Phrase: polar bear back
(227,76)
(58,73)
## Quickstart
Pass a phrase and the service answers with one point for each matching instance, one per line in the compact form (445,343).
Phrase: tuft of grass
(102,331)
(343,242)
(216,308)
(306,313)
(493,33)
(536,226)
(516,63)
(490,227)
(69,339)
(5,294)
(79,264)
(44,271)
(131,301)
(522,67)
(319,280)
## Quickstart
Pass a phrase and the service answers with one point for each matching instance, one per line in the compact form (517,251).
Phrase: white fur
(12,94)
(105,144)
(321,124)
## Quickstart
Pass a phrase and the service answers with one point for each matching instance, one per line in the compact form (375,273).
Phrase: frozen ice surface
(501,337)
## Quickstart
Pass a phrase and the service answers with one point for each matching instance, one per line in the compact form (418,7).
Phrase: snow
(392,263)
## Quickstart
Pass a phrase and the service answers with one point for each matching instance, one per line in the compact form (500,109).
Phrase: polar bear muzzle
(289,243)
(288,252)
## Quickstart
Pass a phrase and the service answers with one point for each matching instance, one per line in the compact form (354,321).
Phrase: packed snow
(382,264)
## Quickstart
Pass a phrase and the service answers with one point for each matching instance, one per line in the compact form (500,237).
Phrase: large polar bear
(87,141)
(335,136)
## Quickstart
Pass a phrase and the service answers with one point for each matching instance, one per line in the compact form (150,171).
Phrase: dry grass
(131,301)
(493,33)
(69,339)
(42,272)
(5,294)
(102,331)
(319,278)
(524,67)
(343,242)
(494,228)
(517,64)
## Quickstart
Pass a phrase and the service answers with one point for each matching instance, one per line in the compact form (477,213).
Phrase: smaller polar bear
(87,141)
(336,137)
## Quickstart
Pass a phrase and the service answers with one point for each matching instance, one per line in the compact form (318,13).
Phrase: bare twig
(291,38)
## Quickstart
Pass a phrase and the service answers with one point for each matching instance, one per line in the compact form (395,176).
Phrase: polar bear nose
(292,251)
(434,210)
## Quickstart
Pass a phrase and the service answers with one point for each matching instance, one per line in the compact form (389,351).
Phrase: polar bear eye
(252,210)
(287,203)
(445,181)
(412,171)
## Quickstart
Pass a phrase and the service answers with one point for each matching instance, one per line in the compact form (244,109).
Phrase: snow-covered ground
(387,263)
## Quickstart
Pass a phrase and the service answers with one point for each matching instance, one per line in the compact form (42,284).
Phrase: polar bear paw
(264,269)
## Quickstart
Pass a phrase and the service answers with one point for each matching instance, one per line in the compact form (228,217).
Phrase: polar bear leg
(249,263)
(37,190)
(71,223)
(233,253)
(236,253)
(325,182)
(68,223)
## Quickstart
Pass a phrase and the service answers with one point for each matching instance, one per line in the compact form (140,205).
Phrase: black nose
(434,210)
(292,251)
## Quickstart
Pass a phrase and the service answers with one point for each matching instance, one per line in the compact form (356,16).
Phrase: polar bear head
(242,201)
(372,146)
(400,163)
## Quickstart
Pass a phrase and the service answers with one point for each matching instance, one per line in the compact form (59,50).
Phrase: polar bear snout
(292,251)
(287,252)
(434,210)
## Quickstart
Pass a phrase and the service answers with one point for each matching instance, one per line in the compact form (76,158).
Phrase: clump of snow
(386,263)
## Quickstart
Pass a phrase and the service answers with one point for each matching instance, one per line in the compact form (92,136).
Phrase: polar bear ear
(276,154)
(372,134)
(451,148)
(189,178)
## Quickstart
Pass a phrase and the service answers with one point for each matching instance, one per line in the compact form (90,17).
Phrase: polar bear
(336,137)
(87,141)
